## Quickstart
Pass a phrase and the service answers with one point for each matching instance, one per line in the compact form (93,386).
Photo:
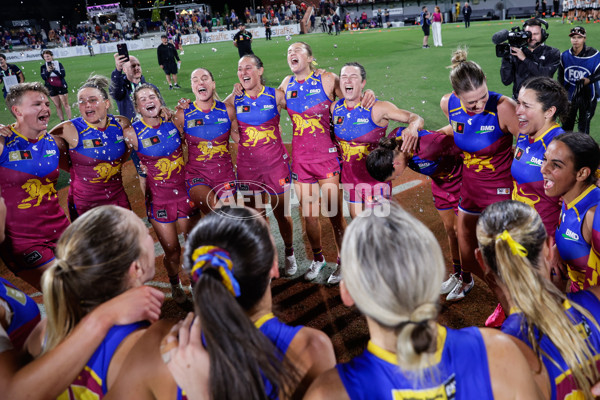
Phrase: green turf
(398,69)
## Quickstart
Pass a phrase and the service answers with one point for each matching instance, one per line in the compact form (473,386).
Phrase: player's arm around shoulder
(331,85)
(130,138)
(327,386)
(507,115)
(284,83)
(146,376)
(510,375)
(280,98)
(235,133)
(311,352)
(66,131)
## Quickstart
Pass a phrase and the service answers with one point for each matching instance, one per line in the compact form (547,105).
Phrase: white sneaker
(178,294)
(335,277)
(460,290)
(450,284)
(314,269)
(290,266)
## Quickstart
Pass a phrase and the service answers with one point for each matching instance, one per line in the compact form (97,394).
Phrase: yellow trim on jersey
(261,321)
(259,94)
(545,133)
(12,128)
(212,107)
(579,198)
(391,358)
(93,374)
(149,126)
(356,106)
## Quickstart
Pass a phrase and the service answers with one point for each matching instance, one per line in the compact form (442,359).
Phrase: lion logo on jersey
(303,124)
(527,198)
(105,171)
(350,149)
(36,191)
(481,163)
(167,166)
(209,150)
(254,135)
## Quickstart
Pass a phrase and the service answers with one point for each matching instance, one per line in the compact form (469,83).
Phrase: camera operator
(535,59)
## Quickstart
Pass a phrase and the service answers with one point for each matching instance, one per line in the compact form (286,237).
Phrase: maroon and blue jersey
(582,258)
(25,313)
(96,162)
(160,150)
(562,383)
(29,170)
(487,154)
(436,156)
(460,371)
(488,150)
(207,135)
(308,107)
(260,143)
(91,381)
(357,135)
(528,179)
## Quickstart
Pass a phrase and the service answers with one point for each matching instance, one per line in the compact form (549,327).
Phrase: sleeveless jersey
(308,107)
(461,371)
(207,136)
(280,334)
(28,175)
(26,313)
(91,382)
(561,381)
(528,179)
(582,258)
(577,68)
(488,150)
(161,152)
(436,156)
(358,135)
(260,135)
(97,161)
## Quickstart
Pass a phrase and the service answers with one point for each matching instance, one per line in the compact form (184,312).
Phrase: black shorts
(425,28)
(56,90)
(170,68)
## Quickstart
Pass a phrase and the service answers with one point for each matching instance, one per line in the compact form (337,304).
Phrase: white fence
(149,43)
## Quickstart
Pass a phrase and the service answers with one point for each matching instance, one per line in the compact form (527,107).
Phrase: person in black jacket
(467,14)
(579,73)
(53,74)
(536,59)
(167,54)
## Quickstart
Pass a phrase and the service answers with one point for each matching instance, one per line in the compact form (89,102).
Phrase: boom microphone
(500,37)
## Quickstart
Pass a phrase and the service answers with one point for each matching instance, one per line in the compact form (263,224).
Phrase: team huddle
(521,219)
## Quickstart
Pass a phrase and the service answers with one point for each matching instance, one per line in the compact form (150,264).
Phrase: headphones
(538,22)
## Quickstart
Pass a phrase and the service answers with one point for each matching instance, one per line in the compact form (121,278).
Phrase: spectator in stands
(8,74)
(582,85)
(243,41)
(536,59)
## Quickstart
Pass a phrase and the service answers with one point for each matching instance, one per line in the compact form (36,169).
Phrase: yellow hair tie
(515,247)
(314,62)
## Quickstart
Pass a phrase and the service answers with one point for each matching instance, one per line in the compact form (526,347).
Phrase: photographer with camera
(579,73)
(525,55)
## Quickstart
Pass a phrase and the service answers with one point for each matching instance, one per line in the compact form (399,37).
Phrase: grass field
(398,69)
